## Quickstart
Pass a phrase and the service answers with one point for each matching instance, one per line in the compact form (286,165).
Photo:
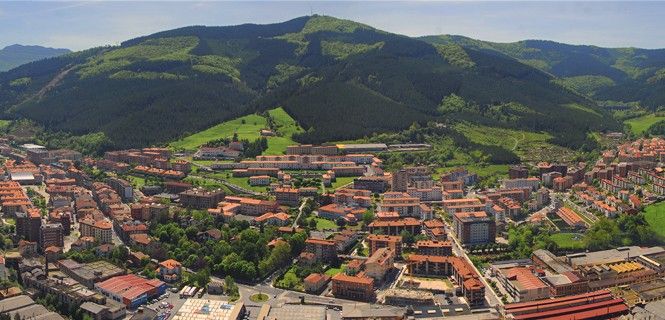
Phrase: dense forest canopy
(339,79)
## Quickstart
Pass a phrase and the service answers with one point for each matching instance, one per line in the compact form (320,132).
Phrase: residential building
(170,270)
(315,282)
(353,287)
(400,181)
(434,248)
(474,227)
(379,263)
(395,227)
(51,234)
(261,180)
(253,207)
(375,184)
(456,267)
(570,217)
(101,230)
(28,224)
(63,216)
(279,219)
(198,198)
(383,241)
(287,196)
(324,250)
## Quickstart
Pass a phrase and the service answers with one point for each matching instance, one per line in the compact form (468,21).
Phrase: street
(490,296)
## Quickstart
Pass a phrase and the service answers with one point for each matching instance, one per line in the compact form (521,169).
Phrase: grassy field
(568,240)
(341,181)
(655,216)
(290,280)
(485,172)
(283,123)
(207,183)
(529,146)
(247,127)
(333,271)
(325,224)
(239,181)
(137,182)
(641,124)
(4,124)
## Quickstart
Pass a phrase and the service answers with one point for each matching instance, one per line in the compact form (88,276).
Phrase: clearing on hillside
(247,127)
(641,124)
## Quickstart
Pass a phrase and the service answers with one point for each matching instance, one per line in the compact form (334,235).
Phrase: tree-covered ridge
(616,74)
(338,79)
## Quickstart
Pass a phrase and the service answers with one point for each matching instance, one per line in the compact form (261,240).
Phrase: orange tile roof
(353,279)
(170,264)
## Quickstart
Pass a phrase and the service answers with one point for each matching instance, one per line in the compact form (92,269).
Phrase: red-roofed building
(434,248)
(379,263)
(252,207)
(323,250)
(395,227)
(101,230)
(170,270)
(315,282)
(131,290)
(382,241)
(474,227)
(358,287)
(570,217)
(593,305)
(463,273)
(523,283)
(273,219)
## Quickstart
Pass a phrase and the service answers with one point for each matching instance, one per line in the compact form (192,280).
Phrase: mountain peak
(17,54)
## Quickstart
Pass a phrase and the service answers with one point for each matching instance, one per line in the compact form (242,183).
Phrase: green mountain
(604,74)
(16,55)
(339,79)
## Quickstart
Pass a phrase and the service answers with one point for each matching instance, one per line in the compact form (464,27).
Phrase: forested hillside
(16,55)
(339,79)
(605,74)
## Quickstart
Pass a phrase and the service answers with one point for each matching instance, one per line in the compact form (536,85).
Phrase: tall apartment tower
(400,181)
(51,234)
(28,224)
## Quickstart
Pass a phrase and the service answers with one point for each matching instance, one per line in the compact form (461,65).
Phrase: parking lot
(167,305)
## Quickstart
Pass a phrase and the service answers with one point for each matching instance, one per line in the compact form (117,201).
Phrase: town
(323,232)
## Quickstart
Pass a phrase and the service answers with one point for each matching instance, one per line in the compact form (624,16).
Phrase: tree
(407,238)
(602,235)
(120,254)
(368,217)
(230,287)
(453,103)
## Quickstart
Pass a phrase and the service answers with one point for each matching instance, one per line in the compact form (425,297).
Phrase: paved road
(490,296)
(302,205)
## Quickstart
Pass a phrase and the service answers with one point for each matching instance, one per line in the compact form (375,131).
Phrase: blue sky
(81,25)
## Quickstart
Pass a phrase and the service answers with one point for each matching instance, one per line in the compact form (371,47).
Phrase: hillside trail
(53,83)
(517,142)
